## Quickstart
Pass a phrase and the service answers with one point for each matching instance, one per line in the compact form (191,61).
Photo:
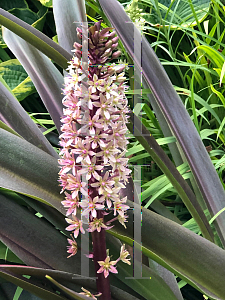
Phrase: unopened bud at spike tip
(115,39)
(108,44)
(77,46)
(116,54)
(78,53)
(107,53)
(114,46)
(112,35)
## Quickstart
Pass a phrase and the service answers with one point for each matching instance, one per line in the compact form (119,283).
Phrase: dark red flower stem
(96,49)
(99,253)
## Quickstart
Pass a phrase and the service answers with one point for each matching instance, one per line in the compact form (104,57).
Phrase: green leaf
(12,72)
(175,13)
(221,128)
(3,54)
(2,43)
(215,56)
(78,280)
(160,141)
(25,15)
(222,73)
(7,255)
(17,294)
(5,84)
(47,3)
(7,5)
(220,212)
(168,168)
(157,185)
(150,285)
(7,128)
(201,101)
(220,95)
(24,89)
(39,24)
(25,284)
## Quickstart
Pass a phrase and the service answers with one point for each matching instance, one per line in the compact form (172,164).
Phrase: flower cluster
(135,13)
(109,266)
(93,164)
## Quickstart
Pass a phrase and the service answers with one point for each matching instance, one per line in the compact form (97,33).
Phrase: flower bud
(107,53)
(103,68)
(79,33)
(114,46)
(103,60)
(77,46)
(78,53)
(110,71)
(95,37)
(112,35)
(108,44)
(115,39)
(116,54)
(120,69)
(105,31)
(120,78)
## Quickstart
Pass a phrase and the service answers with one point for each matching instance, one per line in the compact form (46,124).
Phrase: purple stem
(99,253)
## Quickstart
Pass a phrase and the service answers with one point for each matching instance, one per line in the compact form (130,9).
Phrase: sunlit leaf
(12,72)
(24,89)
(47,3)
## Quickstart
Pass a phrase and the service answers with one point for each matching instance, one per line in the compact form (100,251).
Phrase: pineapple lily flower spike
(93,140)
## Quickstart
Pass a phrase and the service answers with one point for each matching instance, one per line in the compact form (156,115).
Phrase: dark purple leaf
(45,76)
(186,254)
(35,38)
(173,110)
(68,16)
(33,288)
(28,170)
(13,115)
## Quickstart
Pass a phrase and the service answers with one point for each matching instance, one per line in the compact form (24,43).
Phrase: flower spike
(93,166)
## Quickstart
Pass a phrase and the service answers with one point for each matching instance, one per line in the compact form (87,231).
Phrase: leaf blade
(14,116)
(45,76)
(174,111)
(67,18)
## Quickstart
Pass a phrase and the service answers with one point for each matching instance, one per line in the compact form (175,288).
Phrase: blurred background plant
(188,38)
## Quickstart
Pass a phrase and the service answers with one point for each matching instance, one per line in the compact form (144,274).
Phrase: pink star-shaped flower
(76,225)
(107,266)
